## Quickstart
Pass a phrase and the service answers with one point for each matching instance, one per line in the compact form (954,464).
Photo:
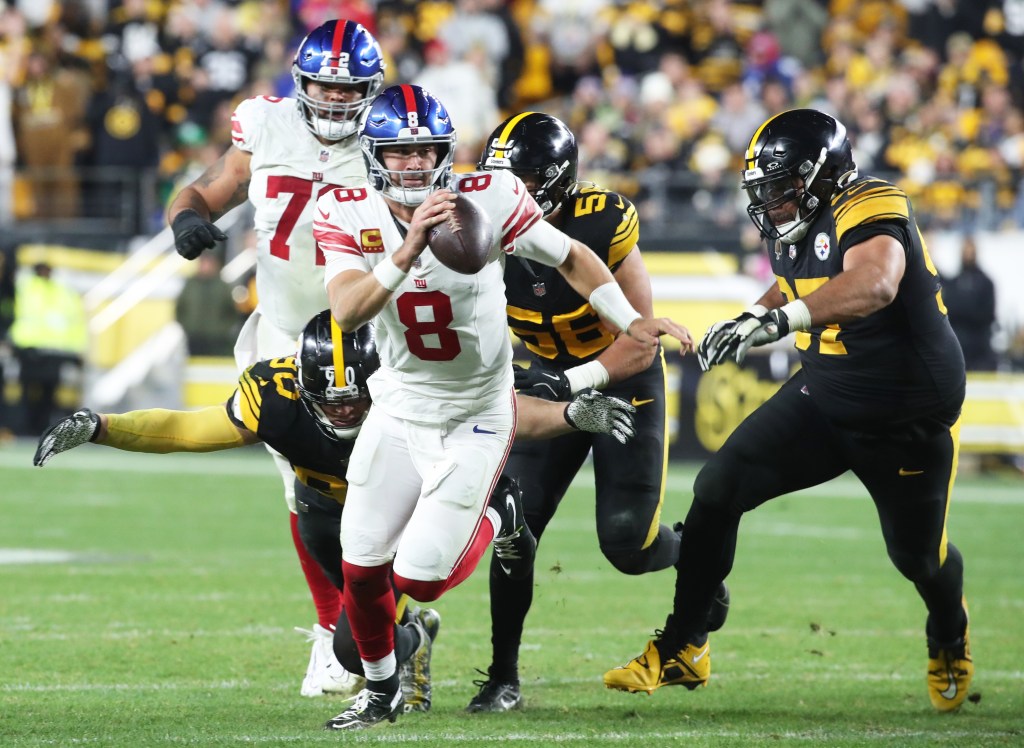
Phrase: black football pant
(629,490)
(320,529)
(787,445)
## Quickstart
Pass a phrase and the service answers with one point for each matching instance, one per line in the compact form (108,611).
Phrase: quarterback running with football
(879,393)
(310,407)
(285,153)
(434,445)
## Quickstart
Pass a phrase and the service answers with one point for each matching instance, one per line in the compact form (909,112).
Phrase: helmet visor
(768,193)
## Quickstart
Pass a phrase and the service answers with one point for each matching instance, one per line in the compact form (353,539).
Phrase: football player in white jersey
(431,452)
(285,153)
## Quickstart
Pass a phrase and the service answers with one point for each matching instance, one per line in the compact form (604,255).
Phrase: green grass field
(162,612)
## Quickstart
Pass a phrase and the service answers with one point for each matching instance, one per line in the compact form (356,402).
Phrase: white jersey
(442,336)
(290,170)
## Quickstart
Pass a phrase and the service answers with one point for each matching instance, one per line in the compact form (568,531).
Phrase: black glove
(600,414)
(193,234)
(748,333)
(77,429)
(543,383)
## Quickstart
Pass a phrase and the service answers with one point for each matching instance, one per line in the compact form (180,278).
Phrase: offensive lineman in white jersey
(285,154)
(430,453)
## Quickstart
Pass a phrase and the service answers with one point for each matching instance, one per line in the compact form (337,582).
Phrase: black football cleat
(370,708)
(495,696)
(515,546)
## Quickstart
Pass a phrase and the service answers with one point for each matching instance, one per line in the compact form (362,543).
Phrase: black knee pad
(623,551)
(628,562)
(915,567)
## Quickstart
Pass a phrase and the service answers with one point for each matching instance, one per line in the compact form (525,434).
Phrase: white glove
(591,411)
(77,429)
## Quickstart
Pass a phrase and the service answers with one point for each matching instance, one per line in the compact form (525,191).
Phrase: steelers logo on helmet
(795,163)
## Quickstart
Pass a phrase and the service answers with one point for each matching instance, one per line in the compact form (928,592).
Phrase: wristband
(613,306)
(798,314)
(388,274)
(591,374)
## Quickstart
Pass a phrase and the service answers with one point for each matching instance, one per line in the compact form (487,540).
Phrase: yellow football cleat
(690,667)
(950,669)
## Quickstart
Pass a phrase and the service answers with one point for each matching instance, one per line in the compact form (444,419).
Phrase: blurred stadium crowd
(107,106)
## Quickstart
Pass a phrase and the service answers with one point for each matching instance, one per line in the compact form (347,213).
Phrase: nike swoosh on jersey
(641,402)
(904,472)
(478,430)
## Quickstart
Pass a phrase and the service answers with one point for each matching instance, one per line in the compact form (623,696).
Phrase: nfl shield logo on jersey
(821,248)
(539,289)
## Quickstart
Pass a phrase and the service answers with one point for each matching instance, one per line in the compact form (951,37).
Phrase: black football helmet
(802,155)
(332,370)
(536,144)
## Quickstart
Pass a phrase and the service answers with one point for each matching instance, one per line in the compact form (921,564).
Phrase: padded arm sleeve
(161,431)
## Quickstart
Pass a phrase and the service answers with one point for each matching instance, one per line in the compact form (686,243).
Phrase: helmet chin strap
(334,130)
(793,231)
(346,433)
(408,195)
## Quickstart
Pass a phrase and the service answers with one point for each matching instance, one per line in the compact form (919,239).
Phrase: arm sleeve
(161,431)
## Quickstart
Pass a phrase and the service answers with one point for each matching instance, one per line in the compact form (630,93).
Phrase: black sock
(388,686)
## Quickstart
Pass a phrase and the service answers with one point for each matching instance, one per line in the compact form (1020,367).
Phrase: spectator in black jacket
(970,298)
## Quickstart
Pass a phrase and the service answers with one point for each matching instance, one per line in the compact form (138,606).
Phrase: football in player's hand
(463,242)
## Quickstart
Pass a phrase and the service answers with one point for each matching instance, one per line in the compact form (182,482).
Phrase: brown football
(463,242)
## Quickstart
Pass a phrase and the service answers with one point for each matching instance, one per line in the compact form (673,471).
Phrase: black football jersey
(554,322)
(270,406)
(898,364)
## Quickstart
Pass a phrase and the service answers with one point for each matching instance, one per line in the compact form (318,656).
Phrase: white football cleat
(325,674)
(336,680)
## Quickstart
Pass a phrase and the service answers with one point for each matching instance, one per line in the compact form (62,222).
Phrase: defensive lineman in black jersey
(879,393)
(571,350)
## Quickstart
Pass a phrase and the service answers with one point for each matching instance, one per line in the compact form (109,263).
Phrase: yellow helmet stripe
(753,139)
(339,353)
(503,138)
